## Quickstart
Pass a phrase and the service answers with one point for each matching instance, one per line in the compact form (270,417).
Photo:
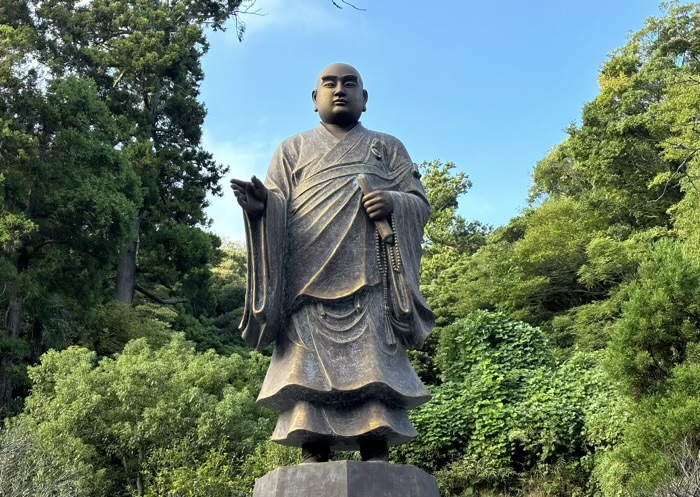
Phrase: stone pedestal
(347,479)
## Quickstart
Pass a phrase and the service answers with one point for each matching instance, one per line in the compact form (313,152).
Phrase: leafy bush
(507,409)
(150,417)
(659,321)
(646,458)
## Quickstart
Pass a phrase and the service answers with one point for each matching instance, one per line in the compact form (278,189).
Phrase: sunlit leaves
(134,412)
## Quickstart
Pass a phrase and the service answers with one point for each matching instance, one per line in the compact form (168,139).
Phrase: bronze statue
(334,245)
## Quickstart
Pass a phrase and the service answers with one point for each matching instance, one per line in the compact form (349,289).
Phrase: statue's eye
(351,84)
(329,84)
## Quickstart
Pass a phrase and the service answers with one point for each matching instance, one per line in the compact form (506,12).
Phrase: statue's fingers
(371,195)
(257,184)
(372,202)
(238,183)
(373,210)
(375,206)
(380,214)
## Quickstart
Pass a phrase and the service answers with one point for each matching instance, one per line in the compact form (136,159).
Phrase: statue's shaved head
(339,69)
(340,97)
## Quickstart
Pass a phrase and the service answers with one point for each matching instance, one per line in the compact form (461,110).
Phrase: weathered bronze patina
(334,245)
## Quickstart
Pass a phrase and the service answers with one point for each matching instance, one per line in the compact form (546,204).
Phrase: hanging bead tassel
(381,250)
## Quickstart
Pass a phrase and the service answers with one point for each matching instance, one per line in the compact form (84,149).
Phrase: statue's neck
(338,130)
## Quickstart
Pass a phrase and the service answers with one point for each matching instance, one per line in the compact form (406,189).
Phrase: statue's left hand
(378,204)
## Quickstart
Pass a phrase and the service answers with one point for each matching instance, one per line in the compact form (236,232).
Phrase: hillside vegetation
(566,361)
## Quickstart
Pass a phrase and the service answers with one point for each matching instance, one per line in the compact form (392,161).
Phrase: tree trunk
(35,339)
(6,385)
(139,476)
(126,269)
(13,321)
(13,317)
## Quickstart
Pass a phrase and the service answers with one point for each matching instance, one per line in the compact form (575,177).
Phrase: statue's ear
(366,95)
(313,97)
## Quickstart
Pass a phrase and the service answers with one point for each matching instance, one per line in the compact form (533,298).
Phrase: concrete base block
(347,479)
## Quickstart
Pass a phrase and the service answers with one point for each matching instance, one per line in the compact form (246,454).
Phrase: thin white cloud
(245,157)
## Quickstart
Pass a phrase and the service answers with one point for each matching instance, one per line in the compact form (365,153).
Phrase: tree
(101,131)
(68,196)
(145,58)
(134,422)
(26,472)
(660,321)
(528,269)
(447,234)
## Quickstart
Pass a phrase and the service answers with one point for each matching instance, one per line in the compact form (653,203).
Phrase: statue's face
(339,97)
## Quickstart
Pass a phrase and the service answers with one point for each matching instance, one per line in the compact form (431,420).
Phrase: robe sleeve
(411,213)
(266,239)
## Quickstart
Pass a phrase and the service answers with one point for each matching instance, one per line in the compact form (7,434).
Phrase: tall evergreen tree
(69,195)
(145,57)
(100,128)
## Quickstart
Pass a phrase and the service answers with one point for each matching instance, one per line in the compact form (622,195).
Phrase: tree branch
(678,171)
(43,244)
(346,3)
(157,299)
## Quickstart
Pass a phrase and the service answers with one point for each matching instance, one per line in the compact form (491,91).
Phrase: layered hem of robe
(342,426)
(334,376)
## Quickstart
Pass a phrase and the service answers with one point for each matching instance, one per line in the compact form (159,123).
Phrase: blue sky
(490,86)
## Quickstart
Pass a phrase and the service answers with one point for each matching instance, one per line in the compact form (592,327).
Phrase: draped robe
(340,305)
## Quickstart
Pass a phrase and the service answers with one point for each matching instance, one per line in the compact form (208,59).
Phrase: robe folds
(340,305)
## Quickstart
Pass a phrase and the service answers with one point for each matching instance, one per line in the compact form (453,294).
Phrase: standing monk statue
(334,246)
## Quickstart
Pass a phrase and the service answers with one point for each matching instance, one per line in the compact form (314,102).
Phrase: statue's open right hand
(251,195)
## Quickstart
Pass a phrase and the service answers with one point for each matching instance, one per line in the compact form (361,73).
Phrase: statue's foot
(374,449)
(315,452)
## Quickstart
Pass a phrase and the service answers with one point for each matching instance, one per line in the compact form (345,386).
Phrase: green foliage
(177,471)
(145,58)
(136,416)
(563,479)
(644,461)
(266,457)
(447,234)
(469,477)
(69,198)
(687,212)
(482,359)
(108,328)
(490,339)
(27,468)
(228,289)
(13,227)
(177,474)
(448,237)
(659,321)
(528,269)
(446,228)
(100,125)
(610,160)
(612,261)
(507,411)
